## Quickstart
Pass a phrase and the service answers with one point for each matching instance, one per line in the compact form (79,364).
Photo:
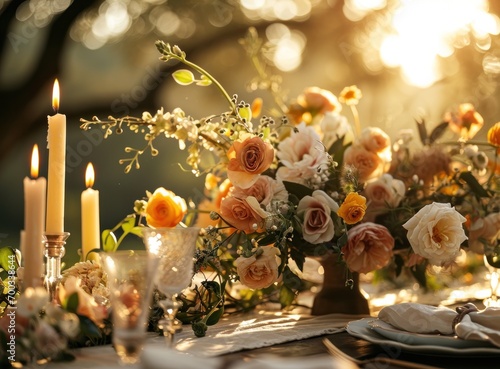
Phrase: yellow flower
(165,209)
(350,95)
(353,208)
(494,135)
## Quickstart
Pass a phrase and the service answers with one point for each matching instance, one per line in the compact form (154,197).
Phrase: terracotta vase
(335,296)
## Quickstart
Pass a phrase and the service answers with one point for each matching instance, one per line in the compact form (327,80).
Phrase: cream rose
(436,232)
(315,212)
(369,247)
(247,160)
(259,270)
(484,231)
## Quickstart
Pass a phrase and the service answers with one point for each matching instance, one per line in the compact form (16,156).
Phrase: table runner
(255,330)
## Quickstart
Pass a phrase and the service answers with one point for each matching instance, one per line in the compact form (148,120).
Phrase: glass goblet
(492,263)
(175,247)
(130,280)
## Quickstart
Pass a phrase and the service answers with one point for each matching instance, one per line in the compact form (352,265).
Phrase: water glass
(130,281)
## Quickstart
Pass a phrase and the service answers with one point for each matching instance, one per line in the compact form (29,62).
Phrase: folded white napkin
(481,325)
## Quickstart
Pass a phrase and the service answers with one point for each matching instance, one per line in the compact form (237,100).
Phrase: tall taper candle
(34,221)
(90,215)
(57,162)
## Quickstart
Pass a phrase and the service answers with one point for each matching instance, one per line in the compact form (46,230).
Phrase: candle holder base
(54,252)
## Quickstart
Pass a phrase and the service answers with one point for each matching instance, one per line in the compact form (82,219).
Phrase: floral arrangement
(299,182)
(305,182)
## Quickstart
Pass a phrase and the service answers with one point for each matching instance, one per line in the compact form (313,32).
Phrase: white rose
(436,233)
(334,126)
(301,155)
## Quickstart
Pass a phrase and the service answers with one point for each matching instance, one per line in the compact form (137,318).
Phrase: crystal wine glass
(175,248)
(131,277)
(492,263)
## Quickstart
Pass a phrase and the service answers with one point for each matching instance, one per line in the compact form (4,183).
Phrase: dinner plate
(363,328)
(389,331)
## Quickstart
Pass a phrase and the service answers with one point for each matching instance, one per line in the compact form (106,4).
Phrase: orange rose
(353,208)
(248,159)
(466,122)
(165,209)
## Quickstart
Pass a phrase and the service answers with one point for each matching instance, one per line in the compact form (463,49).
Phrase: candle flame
(55,96)
(34,162)
(89,175)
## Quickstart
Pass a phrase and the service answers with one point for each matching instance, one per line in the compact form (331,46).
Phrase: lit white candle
(90,215)
(57,161)
(34,221)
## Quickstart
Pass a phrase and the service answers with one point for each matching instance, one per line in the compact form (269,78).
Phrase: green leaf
(438,132)
(297,189)
(183,77)
(422,132)
(88,327)
(8,259)
(109,242)
(204,81)
(137,231)
(245,113)
(286,296)
(215,316)
(72,303)
(291,280)
(128,223)
(474,185)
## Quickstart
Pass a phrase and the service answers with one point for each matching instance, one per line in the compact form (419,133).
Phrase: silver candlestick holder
(54,252)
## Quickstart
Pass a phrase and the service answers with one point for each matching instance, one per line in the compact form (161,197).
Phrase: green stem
(200,70)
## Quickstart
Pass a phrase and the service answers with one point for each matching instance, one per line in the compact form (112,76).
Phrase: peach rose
(436,232)
(165,209)
(369,247)
(385,191)
(243,214)
(248,159)
(264,190)
(484,231)
(353,208)
(315,212)
(368,164)
(313,101)
(259,270)
(375,140)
